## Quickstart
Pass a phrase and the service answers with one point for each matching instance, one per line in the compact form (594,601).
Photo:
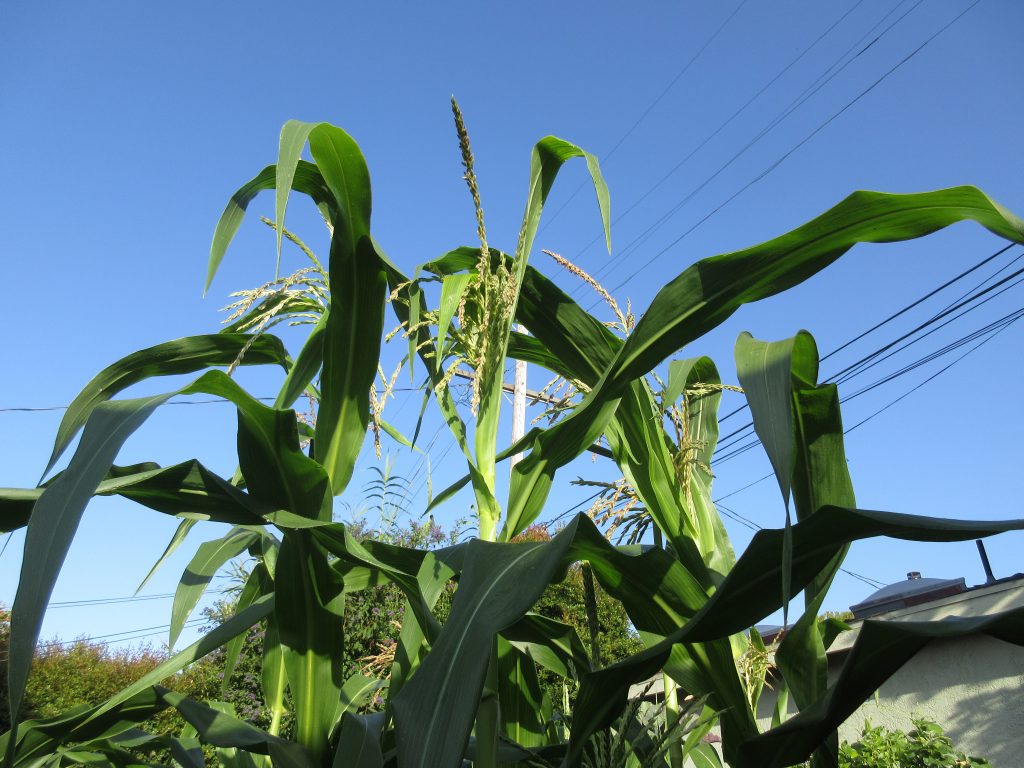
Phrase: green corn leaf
(216,725)
(306,366)
(415,300)
(357,689)
(497,585)
(55,518)
(276,471)
(58,510)
(180,533)
(356,320)
(453,288)
(187,489)
(397,565)
(305,178)
(273,677)
(519,696)
(209,559)
(768,372)
(187,355)
(37,738)
(359,741)
(238,624)
(435,572)
(553,644)
(548,156)
(256,585)
(821,477)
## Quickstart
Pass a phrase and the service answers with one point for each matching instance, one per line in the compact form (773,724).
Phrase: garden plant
(464,683)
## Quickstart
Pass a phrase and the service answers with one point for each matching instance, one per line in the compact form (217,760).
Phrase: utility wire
(177,402)
(722,126)
(992,331)
(866,362)
(767,171)
(650,108)
(768,128)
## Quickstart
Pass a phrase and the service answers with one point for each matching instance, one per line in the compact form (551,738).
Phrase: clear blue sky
(128,125)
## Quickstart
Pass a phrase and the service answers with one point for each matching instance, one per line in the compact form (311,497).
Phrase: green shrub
(66,675)
(926,746)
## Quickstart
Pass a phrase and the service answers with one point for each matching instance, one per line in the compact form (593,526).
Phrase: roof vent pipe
(989,576)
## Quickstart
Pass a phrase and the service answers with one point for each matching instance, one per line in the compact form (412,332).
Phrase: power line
(728,121)
(862,364)
(994,331)
(937,373)
(115,637)
(650,107)
(177,402)
(767,171)
(794,105)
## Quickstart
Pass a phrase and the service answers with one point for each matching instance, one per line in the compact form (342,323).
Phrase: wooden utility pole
(519,404)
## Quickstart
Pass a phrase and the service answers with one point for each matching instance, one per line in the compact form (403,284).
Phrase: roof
(913,591)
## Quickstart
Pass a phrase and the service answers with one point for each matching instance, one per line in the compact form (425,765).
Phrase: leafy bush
(926,746)
(82,672)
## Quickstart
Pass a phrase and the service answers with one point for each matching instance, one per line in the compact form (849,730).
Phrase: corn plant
(467,688)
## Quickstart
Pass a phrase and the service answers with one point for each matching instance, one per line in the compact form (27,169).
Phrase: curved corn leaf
(305,367)
(182,489)
(256,585)
(356,319)
(187,355)
(767,372)
(55,518)
(708,292)
(359,741)
(547,158)
(497,585)
(821,476)
(180,533)
(40,737)
(238,624)
(305,178)
(553,644)
(208,559)
(58,510)
(435,572)
(357,689)
(219,728)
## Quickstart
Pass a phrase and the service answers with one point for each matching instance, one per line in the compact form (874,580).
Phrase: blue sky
(128,125)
